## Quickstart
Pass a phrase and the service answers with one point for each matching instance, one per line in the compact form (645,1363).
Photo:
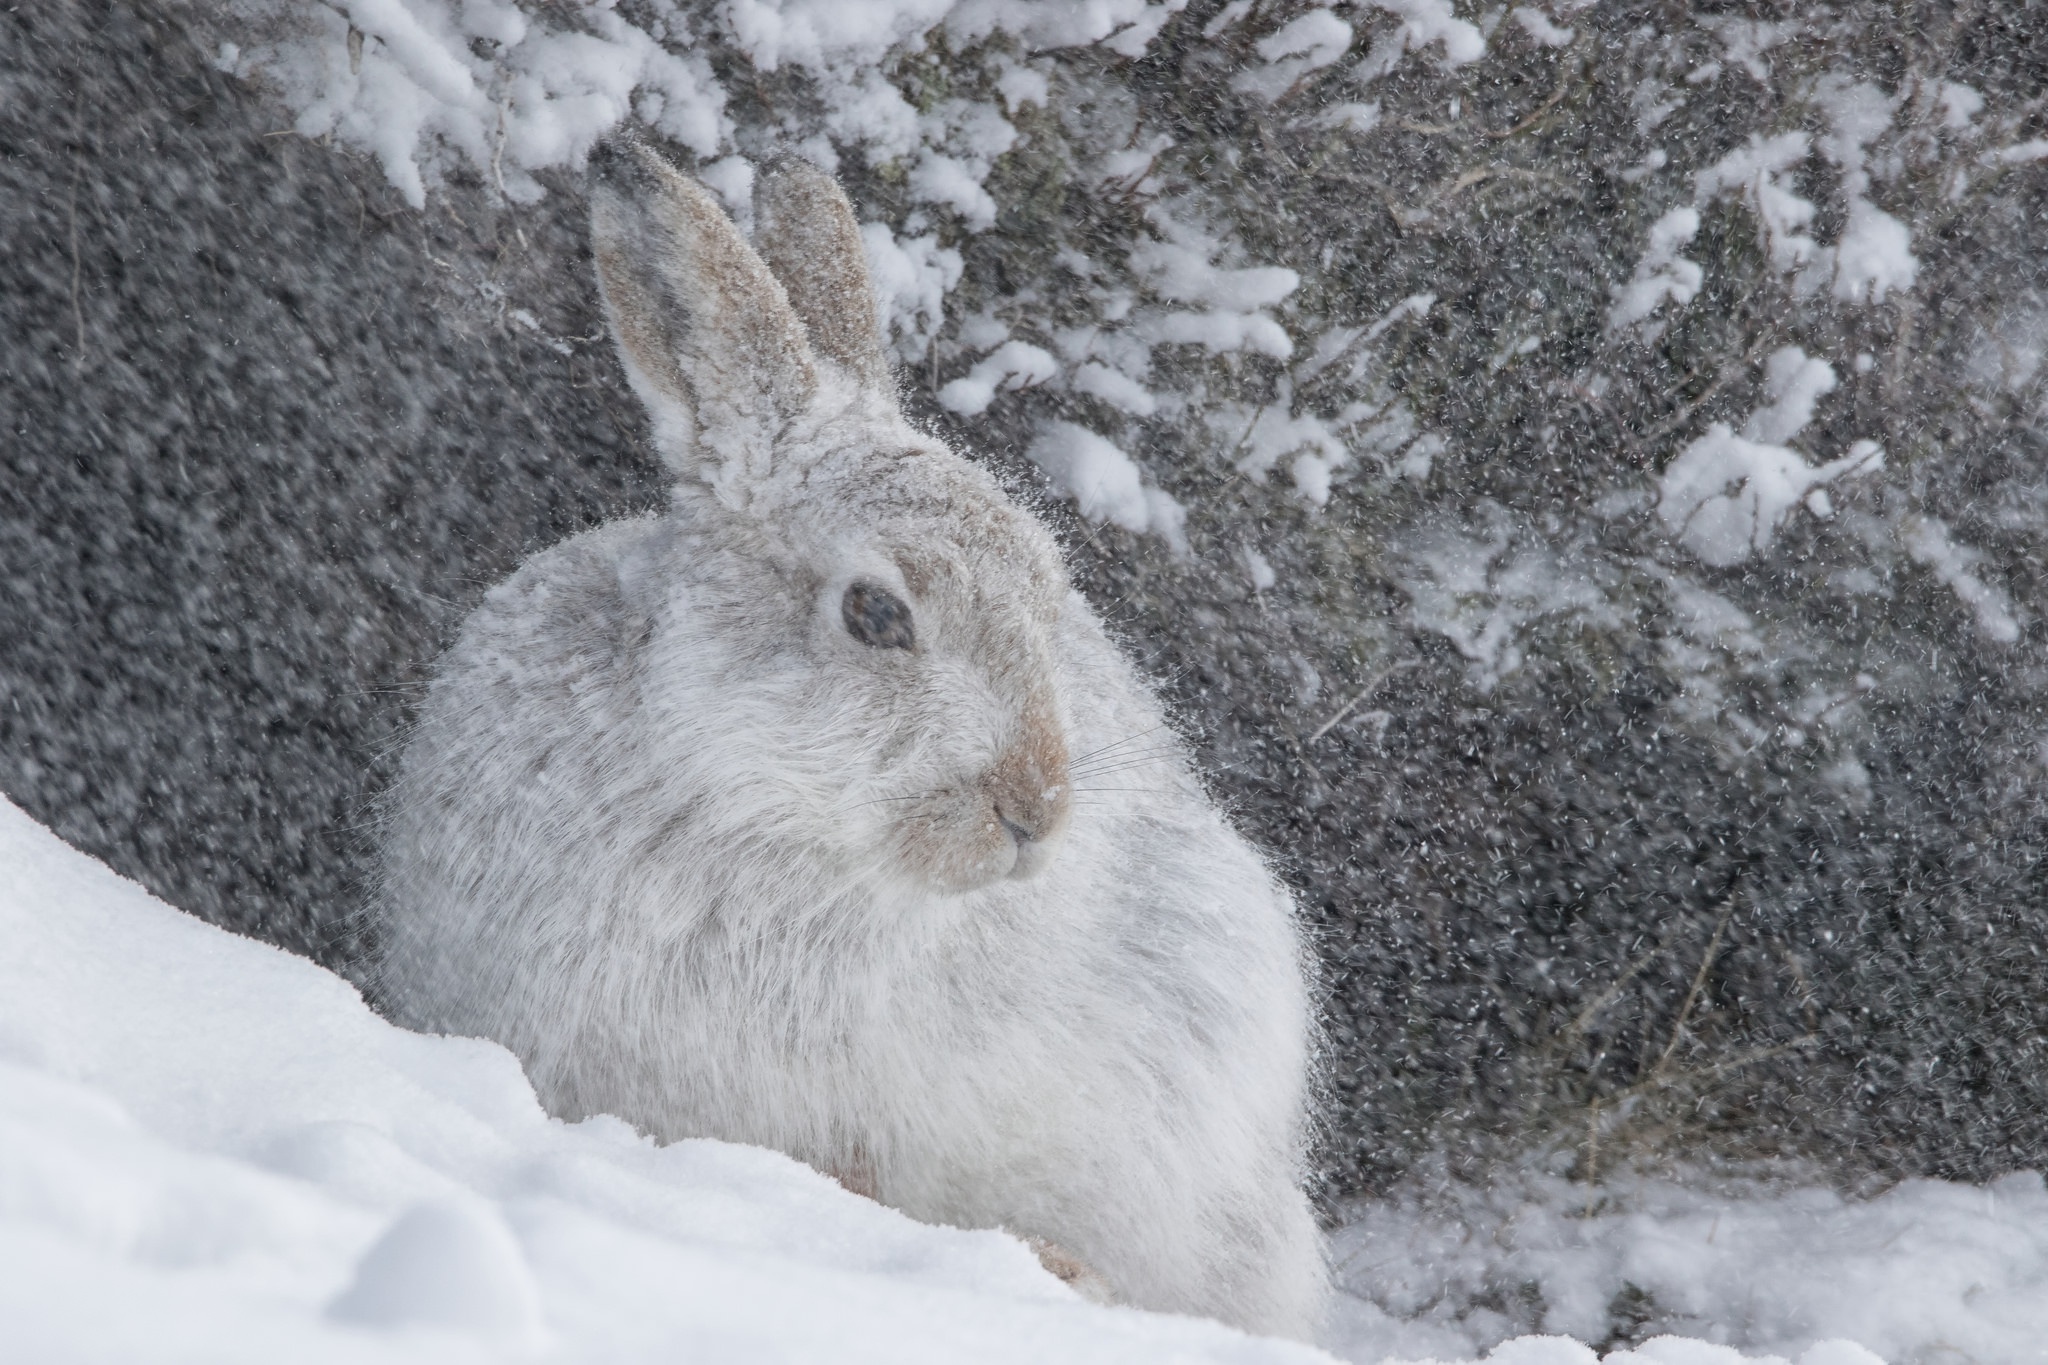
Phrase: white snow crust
(211,1150)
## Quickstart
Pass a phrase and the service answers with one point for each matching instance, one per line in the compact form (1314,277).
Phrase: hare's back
(583,603)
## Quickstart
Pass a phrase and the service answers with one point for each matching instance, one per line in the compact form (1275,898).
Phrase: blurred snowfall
(1577,468)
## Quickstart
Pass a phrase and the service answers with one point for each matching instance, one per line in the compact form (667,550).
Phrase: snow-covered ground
(1930,1272)
(211,1150)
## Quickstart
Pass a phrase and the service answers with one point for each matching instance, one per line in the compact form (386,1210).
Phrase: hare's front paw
(857,1174)
(1071,1270)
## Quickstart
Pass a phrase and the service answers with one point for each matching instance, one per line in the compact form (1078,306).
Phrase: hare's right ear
(806,230)
(707,334)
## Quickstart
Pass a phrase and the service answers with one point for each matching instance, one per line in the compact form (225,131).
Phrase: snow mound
(212,1150)
(221,1141)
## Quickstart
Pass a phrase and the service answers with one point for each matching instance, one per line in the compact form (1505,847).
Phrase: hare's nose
(1028,831)
(1028,787)
(1030,806)
(1033,825)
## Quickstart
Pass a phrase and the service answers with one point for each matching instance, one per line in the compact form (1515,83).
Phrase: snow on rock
(1725,496)
(1927,540)
(211,1150)
(1012,365)
(1104,482)
(1662,274)
(1794,382)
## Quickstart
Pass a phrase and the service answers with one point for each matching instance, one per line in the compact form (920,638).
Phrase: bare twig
(1699,979)
(1592,1153)
(1567,81)
(77,271)
(1585,1017)
(1360,695)
(1736,1063)
(498,156)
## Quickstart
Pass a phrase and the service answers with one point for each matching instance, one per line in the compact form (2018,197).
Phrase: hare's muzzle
(1031,794)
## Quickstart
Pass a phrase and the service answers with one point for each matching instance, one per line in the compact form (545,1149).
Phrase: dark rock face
(268,436)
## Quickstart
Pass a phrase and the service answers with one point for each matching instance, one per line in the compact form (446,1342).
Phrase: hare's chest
(888,1036)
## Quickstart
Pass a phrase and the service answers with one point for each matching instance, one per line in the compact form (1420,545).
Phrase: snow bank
(211,1150)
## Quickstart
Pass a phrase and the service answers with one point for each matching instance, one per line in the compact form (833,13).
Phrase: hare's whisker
(1093,753)
(1136,761)
(1088,760)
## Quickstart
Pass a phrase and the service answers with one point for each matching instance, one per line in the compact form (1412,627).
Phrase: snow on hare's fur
(818,812)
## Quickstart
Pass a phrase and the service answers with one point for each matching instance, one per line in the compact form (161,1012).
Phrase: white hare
(818,812)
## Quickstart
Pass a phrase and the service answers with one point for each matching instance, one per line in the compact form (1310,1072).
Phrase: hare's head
(882,615)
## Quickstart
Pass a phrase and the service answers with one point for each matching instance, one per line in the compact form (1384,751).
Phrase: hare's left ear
(706,332)
(805,229)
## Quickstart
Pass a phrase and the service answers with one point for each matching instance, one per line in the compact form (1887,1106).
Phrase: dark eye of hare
(875,616)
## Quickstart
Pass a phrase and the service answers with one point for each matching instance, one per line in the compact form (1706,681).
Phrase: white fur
(651,834)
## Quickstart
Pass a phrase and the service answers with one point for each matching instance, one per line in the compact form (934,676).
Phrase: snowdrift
(212,1150)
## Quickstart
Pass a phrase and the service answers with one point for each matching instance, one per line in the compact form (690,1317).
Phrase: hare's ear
(706,332)
(806,231)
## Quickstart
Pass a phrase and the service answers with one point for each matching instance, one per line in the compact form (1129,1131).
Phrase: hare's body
(706,863)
